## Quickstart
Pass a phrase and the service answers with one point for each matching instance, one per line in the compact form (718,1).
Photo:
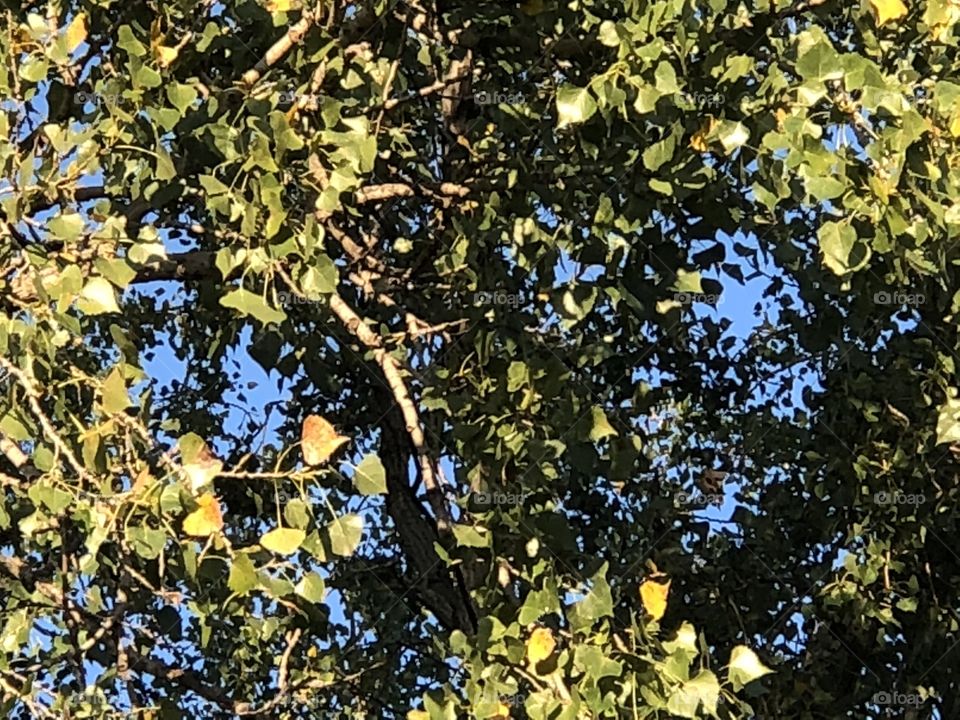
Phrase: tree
(483,252)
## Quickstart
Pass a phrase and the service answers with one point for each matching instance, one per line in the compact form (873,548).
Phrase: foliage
(479,251)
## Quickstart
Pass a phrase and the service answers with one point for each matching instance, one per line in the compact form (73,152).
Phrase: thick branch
(280,48)
(391,371)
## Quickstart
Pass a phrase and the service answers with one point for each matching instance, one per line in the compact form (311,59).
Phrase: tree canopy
(433,359)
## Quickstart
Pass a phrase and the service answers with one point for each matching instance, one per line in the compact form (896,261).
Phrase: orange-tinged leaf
(885,11)
(699,140)
(319,440)
(206,519)
(540,645)
(203,468)
(165,55)
(653,594)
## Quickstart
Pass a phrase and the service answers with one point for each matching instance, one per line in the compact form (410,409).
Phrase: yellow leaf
(503,711)
(885,11)
(699,140)
(165,55)
(283,541)
(955,125)
(281,5)
(319,440)
(418,715)
(206,519)
(653,594)
(76,31)
(540,645)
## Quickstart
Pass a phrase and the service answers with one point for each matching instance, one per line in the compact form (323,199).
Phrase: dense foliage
(522,449)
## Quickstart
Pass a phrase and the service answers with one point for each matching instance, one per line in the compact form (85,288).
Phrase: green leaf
(116,270)
(820,63)
(370,478)
(593,661)
(114,390)
(181,96)
(574,105)
(655,156)
(838,242)
(243,575)
(127,41)
(311,588)
(296,513)
(666,78)
(250,304)
(596,604)
(146,542)
(34,69)
(745,666)
(98,297)
(704,689)
(283,541)
(948,420)
(601,427)
(345,534)
(824,188)
(472,536)
(688,282)
(67,226)
(320,278)
(732,135)
(53,498)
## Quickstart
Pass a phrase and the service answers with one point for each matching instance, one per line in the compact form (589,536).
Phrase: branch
(27,382)
(17,457)
(391,371)
(280,48)
(386,191)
